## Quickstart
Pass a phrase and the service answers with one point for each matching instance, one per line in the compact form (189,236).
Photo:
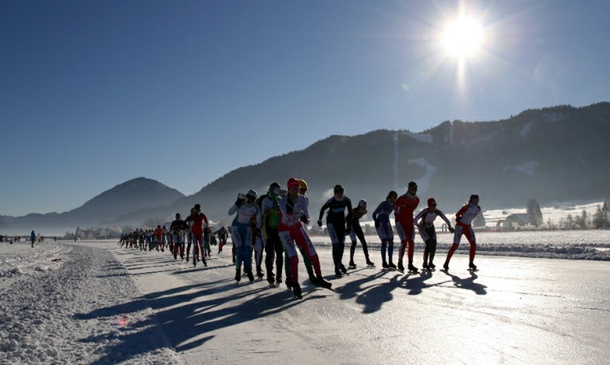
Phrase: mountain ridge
(550,154)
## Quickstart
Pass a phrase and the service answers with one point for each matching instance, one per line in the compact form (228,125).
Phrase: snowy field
(96,303)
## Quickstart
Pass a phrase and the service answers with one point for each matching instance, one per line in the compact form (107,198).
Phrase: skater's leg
(307,262)
(432,253)
(453,248)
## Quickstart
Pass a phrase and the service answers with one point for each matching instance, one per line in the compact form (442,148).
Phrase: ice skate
(391,266)
(296,290)
(472,267)
(413,269)
(351,265)
(319,281)
(369,263)
(401,267)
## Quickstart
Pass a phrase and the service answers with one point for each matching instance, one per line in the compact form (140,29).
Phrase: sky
(95,93)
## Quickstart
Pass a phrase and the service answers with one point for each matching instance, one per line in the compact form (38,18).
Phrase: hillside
(130,196)
(552,154)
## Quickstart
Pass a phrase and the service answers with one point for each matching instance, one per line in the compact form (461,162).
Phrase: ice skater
(425,225)
(381,216)
(356,233)
(405,207)
(247,220)
(463,226)
(294,211)
(336,222)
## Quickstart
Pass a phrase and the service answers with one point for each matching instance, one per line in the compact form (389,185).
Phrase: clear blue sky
(94,93)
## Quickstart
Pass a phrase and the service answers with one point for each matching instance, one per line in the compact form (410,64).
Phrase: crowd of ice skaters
(271,225)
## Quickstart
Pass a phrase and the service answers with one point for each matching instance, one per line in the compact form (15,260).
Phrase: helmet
(293,182)
(303,184)
(431,201)
(252,193)
(273,186)
(338,188)
(362,203)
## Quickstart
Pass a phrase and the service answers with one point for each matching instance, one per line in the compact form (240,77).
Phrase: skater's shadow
(190,315)
(352,288)
(468,283)
(416,282)
(372,298)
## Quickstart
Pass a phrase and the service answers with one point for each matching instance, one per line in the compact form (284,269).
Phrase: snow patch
(424,181)
(84,311)
(426,138)
(555,117)
(524,130)
(528,168)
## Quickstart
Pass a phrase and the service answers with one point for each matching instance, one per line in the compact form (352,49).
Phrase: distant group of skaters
(273,223)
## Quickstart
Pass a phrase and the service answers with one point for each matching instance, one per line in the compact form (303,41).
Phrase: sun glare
(463,38)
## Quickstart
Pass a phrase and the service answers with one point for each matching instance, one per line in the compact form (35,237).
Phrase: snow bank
(573,245)
(82,309)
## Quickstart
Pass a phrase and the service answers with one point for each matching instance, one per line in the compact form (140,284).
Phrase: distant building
(516,219)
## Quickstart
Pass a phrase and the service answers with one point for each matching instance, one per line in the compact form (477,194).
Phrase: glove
(304,219)
(241,198)
(319,223)
(451,229)
(457,219)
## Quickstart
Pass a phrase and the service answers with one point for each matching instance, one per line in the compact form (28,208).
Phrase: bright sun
(463,38)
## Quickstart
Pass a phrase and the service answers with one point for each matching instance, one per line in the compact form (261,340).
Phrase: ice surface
(101,304)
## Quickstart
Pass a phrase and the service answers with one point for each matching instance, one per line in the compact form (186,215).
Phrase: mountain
(133,195)
(551,154)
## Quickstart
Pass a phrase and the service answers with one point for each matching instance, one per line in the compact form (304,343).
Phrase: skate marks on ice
(204,314)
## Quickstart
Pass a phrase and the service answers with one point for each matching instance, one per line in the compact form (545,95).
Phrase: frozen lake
(95,303)
(512,311)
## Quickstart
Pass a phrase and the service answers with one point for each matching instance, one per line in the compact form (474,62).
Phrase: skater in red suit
(463,226)
(405,206)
